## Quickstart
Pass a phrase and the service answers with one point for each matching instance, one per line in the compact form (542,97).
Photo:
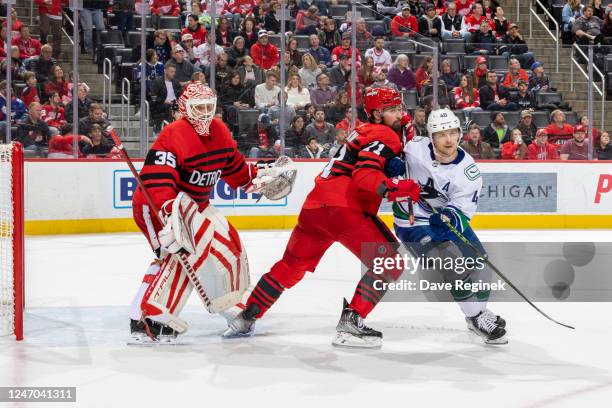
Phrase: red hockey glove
(399,190)
(406,122)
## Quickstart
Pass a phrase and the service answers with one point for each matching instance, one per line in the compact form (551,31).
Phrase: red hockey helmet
(381,98)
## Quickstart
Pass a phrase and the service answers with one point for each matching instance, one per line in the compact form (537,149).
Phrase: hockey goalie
(194,245)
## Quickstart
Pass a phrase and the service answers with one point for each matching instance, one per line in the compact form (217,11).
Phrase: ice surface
(78,289)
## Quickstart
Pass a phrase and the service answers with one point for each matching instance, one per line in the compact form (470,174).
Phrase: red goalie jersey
(182,160)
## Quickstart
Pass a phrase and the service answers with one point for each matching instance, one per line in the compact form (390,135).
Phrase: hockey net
(11,240)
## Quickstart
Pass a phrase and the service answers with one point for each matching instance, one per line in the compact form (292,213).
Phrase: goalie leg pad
(216,255)
(167,295)
(225,272)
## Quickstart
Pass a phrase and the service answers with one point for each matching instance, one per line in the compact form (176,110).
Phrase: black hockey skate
(148,332)
(243,325)
(352,332)
(490,327)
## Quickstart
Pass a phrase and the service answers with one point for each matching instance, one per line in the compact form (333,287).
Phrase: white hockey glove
(274,179)
(172,237)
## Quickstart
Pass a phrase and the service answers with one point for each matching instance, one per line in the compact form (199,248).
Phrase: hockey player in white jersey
(450,182)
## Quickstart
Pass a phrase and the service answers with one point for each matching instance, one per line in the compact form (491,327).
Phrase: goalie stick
(182,254)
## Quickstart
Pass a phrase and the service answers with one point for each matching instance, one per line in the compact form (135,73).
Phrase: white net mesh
(7,300)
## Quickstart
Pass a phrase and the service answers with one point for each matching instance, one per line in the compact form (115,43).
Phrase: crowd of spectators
(588,23)
(245,54)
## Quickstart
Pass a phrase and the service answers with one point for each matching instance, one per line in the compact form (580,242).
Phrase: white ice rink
(78,289)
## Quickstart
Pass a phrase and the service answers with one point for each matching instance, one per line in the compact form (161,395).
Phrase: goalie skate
(488,326)
(353,333)
(151,333)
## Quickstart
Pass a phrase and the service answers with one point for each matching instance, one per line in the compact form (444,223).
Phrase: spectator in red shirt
(473,20)
(28,46)
(423,73)
(242,7)
(50,12)
(515,75)
(578,147)
(464,7)
(558,131)
(165,7)
(53,113)
(30,93)
(584,120)
(307,21)
(17,24)
(466,97)
(161,8)
(2,43)
(404,24)
(439,6)
(264,54)
(346,122)
(345,49)
(514,149)
(198,33)
(57,83)
(480,73)
(540,149)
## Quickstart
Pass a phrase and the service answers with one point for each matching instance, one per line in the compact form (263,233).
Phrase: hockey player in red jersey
(342,208)
(189,156)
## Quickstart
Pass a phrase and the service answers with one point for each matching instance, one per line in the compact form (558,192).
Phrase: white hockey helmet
(442,119)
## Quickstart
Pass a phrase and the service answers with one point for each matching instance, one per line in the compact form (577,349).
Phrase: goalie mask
(198,103)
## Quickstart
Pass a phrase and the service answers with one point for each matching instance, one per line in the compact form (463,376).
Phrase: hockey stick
(497,271)
(476,251)
(182,254)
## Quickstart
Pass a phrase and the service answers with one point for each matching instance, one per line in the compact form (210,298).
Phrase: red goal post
(11,240)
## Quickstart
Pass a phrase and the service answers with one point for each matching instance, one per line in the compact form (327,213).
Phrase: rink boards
(66,196)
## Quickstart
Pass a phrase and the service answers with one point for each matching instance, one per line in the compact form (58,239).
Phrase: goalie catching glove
(274,179)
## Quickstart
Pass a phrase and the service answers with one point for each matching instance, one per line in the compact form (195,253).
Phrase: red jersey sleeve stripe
(368,166)
(235,168)
(364,158)
(158,176)
(159,185)
(208,154)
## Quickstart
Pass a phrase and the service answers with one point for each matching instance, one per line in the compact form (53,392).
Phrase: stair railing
(69,20)
(147,113)
(600,90)
(107,89)
(125,107)
(555,37)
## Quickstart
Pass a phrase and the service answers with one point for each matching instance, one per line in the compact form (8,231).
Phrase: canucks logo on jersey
(455,186)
